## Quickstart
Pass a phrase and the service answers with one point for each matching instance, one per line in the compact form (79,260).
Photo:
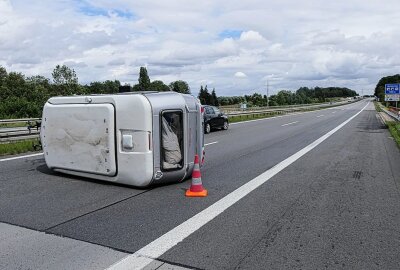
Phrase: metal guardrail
(231,108)
(235,108)
(30,130)
(277,111)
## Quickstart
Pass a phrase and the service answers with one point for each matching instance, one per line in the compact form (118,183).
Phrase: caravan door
(80,137)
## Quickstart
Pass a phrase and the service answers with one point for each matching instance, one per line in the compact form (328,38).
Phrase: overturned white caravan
(131,138)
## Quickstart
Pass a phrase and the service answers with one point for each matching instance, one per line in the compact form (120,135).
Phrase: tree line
(380,87)
(303,95)
(22,96)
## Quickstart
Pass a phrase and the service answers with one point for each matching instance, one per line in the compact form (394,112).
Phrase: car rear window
(209,110)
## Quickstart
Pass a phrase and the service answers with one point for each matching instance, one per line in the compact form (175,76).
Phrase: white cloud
(251,36)
(307,43)
(240,74)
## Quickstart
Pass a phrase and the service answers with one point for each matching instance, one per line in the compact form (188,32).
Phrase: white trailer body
(131,138)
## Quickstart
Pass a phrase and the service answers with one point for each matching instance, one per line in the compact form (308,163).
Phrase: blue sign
(392,89)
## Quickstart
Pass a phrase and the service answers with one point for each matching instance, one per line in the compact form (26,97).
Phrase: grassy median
(248,117)
(18,147)
(255,116)
(12,125)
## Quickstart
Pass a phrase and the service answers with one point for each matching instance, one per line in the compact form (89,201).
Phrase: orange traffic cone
(196,188)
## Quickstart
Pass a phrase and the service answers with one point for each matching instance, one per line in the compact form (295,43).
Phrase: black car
(214,119)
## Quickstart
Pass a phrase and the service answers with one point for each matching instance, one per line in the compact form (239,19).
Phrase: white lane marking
(334,112)
(19,157)
(320,115)
(267,118)
(210,143)
(159,246)
(286,115)
(291,123)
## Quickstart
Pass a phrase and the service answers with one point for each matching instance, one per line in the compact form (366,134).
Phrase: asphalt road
(337,206)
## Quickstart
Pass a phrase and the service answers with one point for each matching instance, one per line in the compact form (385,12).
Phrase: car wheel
(207,128)
(226,125)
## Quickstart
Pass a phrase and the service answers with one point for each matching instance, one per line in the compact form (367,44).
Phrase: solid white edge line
(159,246)
(19,157)
(291,123)
(210,143)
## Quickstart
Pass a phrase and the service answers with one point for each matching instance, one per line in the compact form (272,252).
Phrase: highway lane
(127,219)
(337,207)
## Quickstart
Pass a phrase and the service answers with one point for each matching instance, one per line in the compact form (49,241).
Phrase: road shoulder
(22,248)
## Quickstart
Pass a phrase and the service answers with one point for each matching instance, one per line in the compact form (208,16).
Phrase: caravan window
(172,140)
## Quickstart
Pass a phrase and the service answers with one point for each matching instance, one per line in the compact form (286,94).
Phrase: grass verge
(241,118)
(377,107)
(12,125)
(394,128)
(18,147)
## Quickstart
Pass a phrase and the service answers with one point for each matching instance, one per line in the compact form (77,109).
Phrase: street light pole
(267,93)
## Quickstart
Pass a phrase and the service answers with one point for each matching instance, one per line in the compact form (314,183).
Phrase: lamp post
(267,93)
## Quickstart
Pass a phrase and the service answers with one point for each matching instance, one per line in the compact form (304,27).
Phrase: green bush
(394,128)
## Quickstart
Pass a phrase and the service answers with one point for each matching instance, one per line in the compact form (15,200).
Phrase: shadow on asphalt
(67,177)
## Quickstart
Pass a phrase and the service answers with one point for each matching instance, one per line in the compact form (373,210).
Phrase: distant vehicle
(214,119)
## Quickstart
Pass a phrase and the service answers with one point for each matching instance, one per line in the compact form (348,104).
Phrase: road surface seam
(98,209)
(147,254)
(178,264)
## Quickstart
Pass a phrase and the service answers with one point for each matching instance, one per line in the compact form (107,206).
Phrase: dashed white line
(291,123)
(320,115)
(334,112)
(210,143)
(19,157)
(159,246)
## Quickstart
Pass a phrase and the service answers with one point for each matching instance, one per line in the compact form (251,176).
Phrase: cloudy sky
(235,46)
